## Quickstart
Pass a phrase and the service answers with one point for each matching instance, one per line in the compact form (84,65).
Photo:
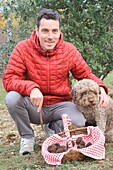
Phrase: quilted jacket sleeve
(82,70)
(14,76)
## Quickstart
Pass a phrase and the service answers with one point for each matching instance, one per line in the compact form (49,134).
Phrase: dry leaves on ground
(9,133)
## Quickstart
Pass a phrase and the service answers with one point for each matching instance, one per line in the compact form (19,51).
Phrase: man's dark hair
(48,14)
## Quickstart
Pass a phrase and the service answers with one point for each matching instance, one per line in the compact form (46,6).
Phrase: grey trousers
(24,112)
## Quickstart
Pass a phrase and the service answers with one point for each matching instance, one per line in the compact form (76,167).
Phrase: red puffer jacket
(30,66)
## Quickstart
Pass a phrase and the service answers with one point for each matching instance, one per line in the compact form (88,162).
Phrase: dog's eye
(95,92)
(82,94)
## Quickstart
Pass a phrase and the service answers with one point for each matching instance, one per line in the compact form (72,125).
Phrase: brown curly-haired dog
(86,96)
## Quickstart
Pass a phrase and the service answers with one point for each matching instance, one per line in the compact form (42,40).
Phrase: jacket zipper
(47,75)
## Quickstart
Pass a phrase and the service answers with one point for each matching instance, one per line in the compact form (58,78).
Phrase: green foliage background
(88,24)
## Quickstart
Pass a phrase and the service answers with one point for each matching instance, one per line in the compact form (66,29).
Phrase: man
(37,79)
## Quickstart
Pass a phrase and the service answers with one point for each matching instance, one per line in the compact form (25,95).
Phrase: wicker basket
(88,134)
(74,131)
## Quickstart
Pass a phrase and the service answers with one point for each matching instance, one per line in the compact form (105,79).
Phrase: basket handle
(67,122)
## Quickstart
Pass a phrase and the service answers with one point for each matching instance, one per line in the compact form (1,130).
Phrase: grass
(2,93)
(9,147)
(10,160)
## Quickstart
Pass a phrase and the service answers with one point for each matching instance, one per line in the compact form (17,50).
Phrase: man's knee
(79,123)
(12,98)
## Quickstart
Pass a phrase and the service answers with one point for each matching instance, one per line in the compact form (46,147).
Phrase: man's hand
(36,98)
(104,100)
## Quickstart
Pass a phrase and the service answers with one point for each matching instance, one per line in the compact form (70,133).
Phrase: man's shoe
(49,132)
(26,146)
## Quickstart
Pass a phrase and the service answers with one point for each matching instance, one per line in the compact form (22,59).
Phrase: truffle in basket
(81,144)
(57,148)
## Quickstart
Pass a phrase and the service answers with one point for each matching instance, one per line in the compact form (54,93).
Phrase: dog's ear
(73,94)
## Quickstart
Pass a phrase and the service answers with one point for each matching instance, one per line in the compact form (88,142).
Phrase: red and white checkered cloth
(94,135)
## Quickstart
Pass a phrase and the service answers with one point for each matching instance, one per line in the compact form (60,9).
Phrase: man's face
(48,33)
